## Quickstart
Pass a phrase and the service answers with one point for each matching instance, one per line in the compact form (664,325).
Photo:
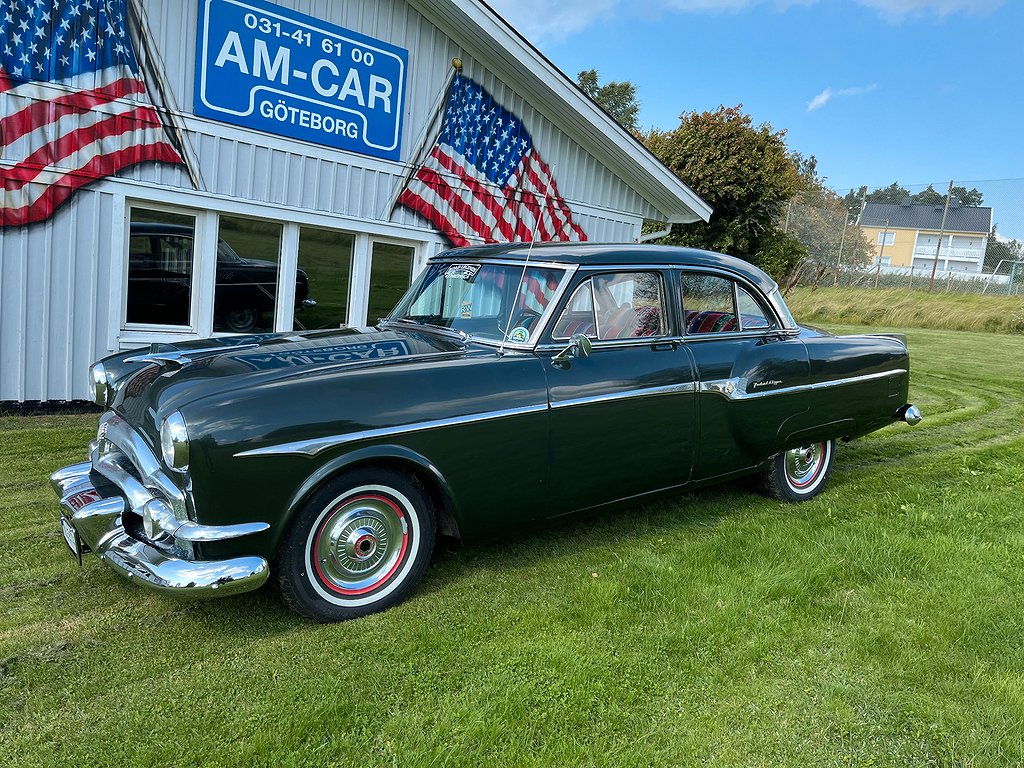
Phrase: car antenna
(515,300)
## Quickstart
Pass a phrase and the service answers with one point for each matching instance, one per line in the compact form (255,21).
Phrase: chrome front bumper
(98,522)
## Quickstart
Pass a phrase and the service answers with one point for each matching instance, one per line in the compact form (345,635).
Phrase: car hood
(153,382)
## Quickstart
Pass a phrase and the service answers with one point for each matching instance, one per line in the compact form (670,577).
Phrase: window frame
(586,273)
(199,259)
(776,325)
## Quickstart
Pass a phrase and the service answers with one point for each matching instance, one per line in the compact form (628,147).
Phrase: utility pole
(885,236)
(846,223)
(942,233)
(842,242)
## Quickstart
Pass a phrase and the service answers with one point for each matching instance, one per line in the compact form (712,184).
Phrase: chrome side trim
(315,445)
(670,389)
(736,388)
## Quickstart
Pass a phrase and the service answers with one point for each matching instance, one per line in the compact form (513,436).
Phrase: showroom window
(161,257)
(390,276)
(248,255)
(324,277)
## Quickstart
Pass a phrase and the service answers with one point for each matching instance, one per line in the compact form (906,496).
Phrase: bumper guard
(97,519)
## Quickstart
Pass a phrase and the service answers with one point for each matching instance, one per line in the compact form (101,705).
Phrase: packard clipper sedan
(512,385)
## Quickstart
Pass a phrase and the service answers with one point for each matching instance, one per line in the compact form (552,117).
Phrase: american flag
(73,108)
(484,180)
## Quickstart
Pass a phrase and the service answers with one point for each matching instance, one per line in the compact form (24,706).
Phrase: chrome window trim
(669,389)
(568,270)
(593,308)
(598,269)
(736,388)
(636,341)
(737,280)
(774,325)
(316,445)
(446,259)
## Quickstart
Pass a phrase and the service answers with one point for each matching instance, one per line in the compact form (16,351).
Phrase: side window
(752,316)
(624,305)
(708,304)
(578,315)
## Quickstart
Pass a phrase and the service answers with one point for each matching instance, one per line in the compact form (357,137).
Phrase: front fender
(394,454)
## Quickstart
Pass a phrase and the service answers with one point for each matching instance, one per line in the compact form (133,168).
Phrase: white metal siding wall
(246,164)
(55,300)
(61,281)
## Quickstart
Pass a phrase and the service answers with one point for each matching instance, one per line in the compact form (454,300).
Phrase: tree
(745,173)
(997,250)
(819,219)
(618,99)
(970,197)
(852,201)
(928,197)
(894,193)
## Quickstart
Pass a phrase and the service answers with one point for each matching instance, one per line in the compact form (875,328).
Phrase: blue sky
(915,91)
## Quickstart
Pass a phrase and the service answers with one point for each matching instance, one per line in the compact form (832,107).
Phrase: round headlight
(174,442)
(99,385)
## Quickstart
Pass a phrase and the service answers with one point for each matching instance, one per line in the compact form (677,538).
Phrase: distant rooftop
(961,218)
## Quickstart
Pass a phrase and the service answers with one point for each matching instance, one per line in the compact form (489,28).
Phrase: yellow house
(906,236)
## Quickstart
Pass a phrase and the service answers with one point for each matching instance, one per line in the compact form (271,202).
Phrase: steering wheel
(526,318)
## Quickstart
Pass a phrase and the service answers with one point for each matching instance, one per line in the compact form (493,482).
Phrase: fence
(907,236)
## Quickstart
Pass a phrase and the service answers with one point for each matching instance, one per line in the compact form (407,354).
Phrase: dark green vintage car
(513,384)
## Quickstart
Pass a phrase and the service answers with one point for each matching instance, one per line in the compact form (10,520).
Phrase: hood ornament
(182,357)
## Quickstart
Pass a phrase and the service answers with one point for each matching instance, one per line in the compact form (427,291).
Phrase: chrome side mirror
(580,346)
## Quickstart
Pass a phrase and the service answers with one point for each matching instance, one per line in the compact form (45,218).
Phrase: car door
(752,372)
(623,418)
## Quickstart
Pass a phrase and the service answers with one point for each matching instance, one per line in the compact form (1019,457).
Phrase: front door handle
(663,346)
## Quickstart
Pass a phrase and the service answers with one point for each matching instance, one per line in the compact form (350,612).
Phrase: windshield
(486,301)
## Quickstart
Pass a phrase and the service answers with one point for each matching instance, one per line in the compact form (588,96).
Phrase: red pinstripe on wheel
(383,579)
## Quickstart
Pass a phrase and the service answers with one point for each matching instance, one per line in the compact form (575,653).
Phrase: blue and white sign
(262,66)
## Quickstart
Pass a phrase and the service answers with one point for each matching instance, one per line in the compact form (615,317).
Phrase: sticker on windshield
(462,272)
(519,335)
(466,312)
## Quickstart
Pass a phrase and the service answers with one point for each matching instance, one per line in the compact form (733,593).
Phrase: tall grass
(903,308)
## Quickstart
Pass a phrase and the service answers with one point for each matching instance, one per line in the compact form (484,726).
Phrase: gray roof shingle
(961,218)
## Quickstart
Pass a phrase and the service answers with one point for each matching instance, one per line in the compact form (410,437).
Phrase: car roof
(613,254)
(158,228)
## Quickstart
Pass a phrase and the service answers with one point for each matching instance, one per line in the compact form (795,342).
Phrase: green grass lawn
(880,624)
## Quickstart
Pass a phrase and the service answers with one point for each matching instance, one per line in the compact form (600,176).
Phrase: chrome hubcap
(803,464)
(359,543)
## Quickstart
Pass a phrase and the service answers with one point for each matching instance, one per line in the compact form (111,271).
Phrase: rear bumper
(910,413)
(98,521)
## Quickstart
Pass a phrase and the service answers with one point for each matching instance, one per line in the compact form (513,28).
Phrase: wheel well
(447,525)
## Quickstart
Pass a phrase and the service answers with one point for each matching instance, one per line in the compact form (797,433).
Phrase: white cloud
(828,94)
(898,10)
(546,21)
